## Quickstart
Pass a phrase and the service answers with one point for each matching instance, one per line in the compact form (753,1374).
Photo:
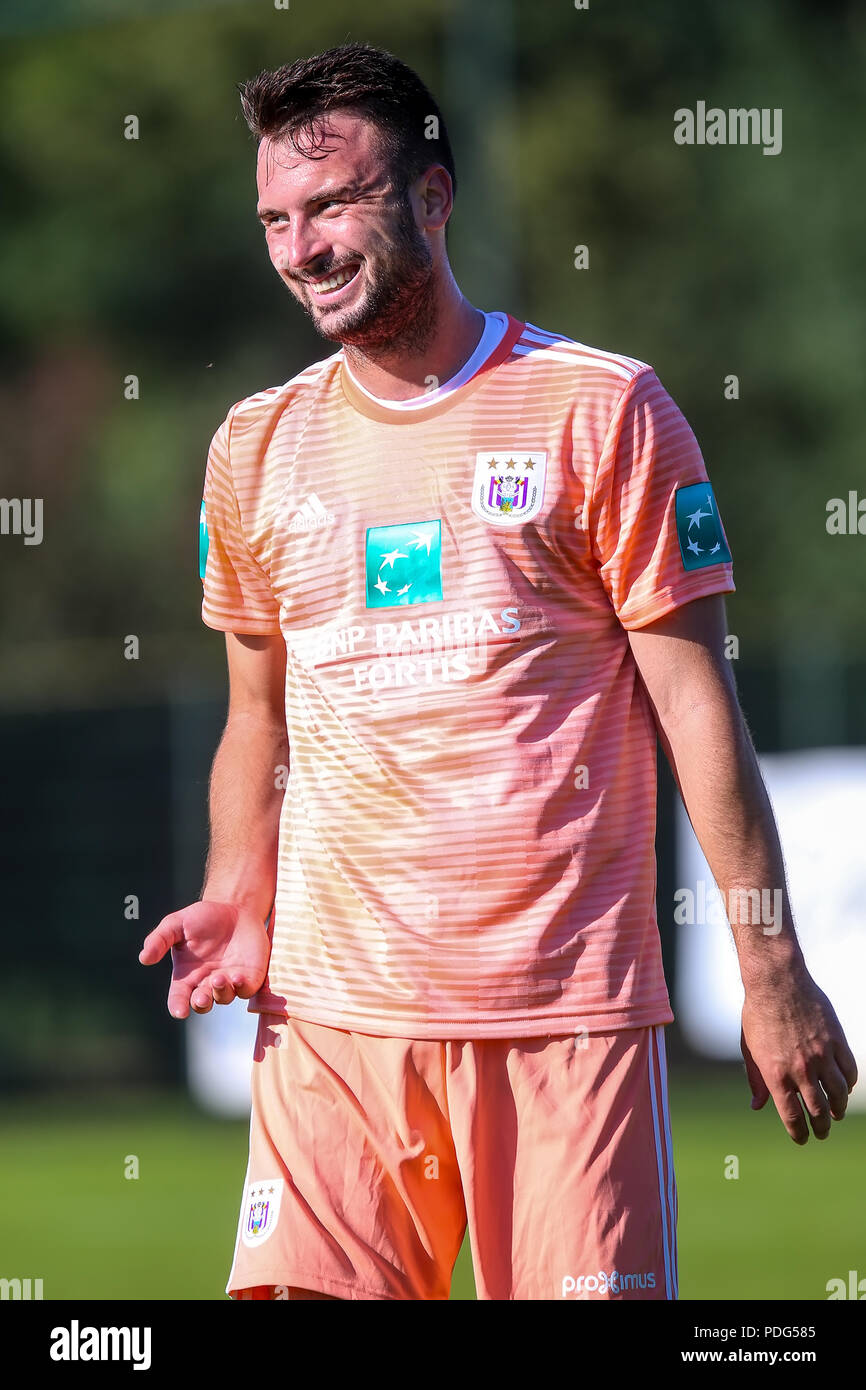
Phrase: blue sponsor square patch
(404,564)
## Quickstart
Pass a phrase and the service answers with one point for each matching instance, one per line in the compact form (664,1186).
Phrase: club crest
(508,487)
(261,1209)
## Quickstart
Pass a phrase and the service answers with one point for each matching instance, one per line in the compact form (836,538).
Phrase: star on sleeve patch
(699,528)
(203,542)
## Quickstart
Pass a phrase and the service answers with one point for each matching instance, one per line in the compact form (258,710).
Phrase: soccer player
(466,568)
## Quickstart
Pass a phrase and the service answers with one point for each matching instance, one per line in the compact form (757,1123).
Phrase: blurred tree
(143,257)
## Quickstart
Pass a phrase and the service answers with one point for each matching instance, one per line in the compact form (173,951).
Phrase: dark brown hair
(289,103)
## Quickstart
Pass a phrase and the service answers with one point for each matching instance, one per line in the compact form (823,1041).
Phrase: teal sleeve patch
(699,528)
(202,542)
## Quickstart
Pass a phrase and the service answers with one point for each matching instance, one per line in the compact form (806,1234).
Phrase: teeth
(341,278)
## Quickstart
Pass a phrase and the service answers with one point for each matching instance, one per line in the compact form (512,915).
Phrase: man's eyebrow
(323,194)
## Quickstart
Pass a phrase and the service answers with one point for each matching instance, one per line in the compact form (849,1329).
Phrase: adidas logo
(311,515)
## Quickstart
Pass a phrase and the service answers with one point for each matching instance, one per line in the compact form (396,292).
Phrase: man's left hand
(795,1050)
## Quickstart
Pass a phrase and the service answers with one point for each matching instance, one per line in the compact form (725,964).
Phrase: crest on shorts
(261,1209)
(508,487)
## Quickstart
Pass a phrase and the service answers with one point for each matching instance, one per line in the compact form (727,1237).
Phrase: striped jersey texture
(466,842)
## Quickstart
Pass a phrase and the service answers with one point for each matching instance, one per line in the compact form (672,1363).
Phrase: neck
(401,371)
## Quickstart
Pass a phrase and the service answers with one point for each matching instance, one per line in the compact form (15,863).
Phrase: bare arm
(246,793)
(219,945)
(702,730)
(792,1041)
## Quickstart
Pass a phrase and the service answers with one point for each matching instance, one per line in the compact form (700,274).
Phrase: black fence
(105,829)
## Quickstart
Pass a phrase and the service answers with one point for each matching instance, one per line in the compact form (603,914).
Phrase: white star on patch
(391,555)
(424,538)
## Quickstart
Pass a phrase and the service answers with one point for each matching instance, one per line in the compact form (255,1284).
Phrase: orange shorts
(369,1156)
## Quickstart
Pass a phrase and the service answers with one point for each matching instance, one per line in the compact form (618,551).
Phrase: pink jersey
(467,837)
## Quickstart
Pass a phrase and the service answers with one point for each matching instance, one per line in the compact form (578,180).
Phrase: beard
(398,309)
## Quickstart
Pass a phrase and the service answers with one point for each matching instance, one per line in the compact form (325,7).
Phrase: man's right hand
(219,953)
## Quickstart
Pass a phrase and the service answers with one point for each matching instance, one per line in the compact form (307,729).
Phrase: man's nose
(300,249)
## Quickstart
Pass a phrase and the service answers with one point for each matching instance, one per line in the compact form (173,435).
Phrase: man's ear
(437,197)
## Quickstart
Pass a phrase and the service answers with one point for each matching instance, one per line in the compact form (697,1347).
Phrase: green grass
(792,1220)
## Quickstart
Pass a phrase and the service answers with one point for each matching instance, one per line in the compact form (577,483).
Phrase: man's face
(346,245)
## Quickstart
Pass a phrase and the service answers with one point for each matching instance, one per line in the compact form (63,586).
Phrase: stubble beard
(398,311)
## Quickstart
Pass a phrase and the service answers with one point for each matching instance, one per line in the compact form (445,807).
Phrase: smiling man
(466,568)
(362,300)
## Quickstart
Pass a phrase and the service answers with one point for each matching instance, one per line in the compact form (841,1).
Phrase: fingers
(245,988)
(169,933)
(836,1085)
(201,1000)
(846,1063)
(195,984)
(806,1063)
(223,990)
(791,1114)
(215,989)
(824,1094)
(197,993)
(817,1106)
(826,1088)
(179,992)
(760,1090)
(200,995)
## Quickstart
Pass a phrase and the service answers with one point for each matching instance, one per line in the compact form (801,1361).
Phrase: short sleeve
(237,595)
(653,522)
